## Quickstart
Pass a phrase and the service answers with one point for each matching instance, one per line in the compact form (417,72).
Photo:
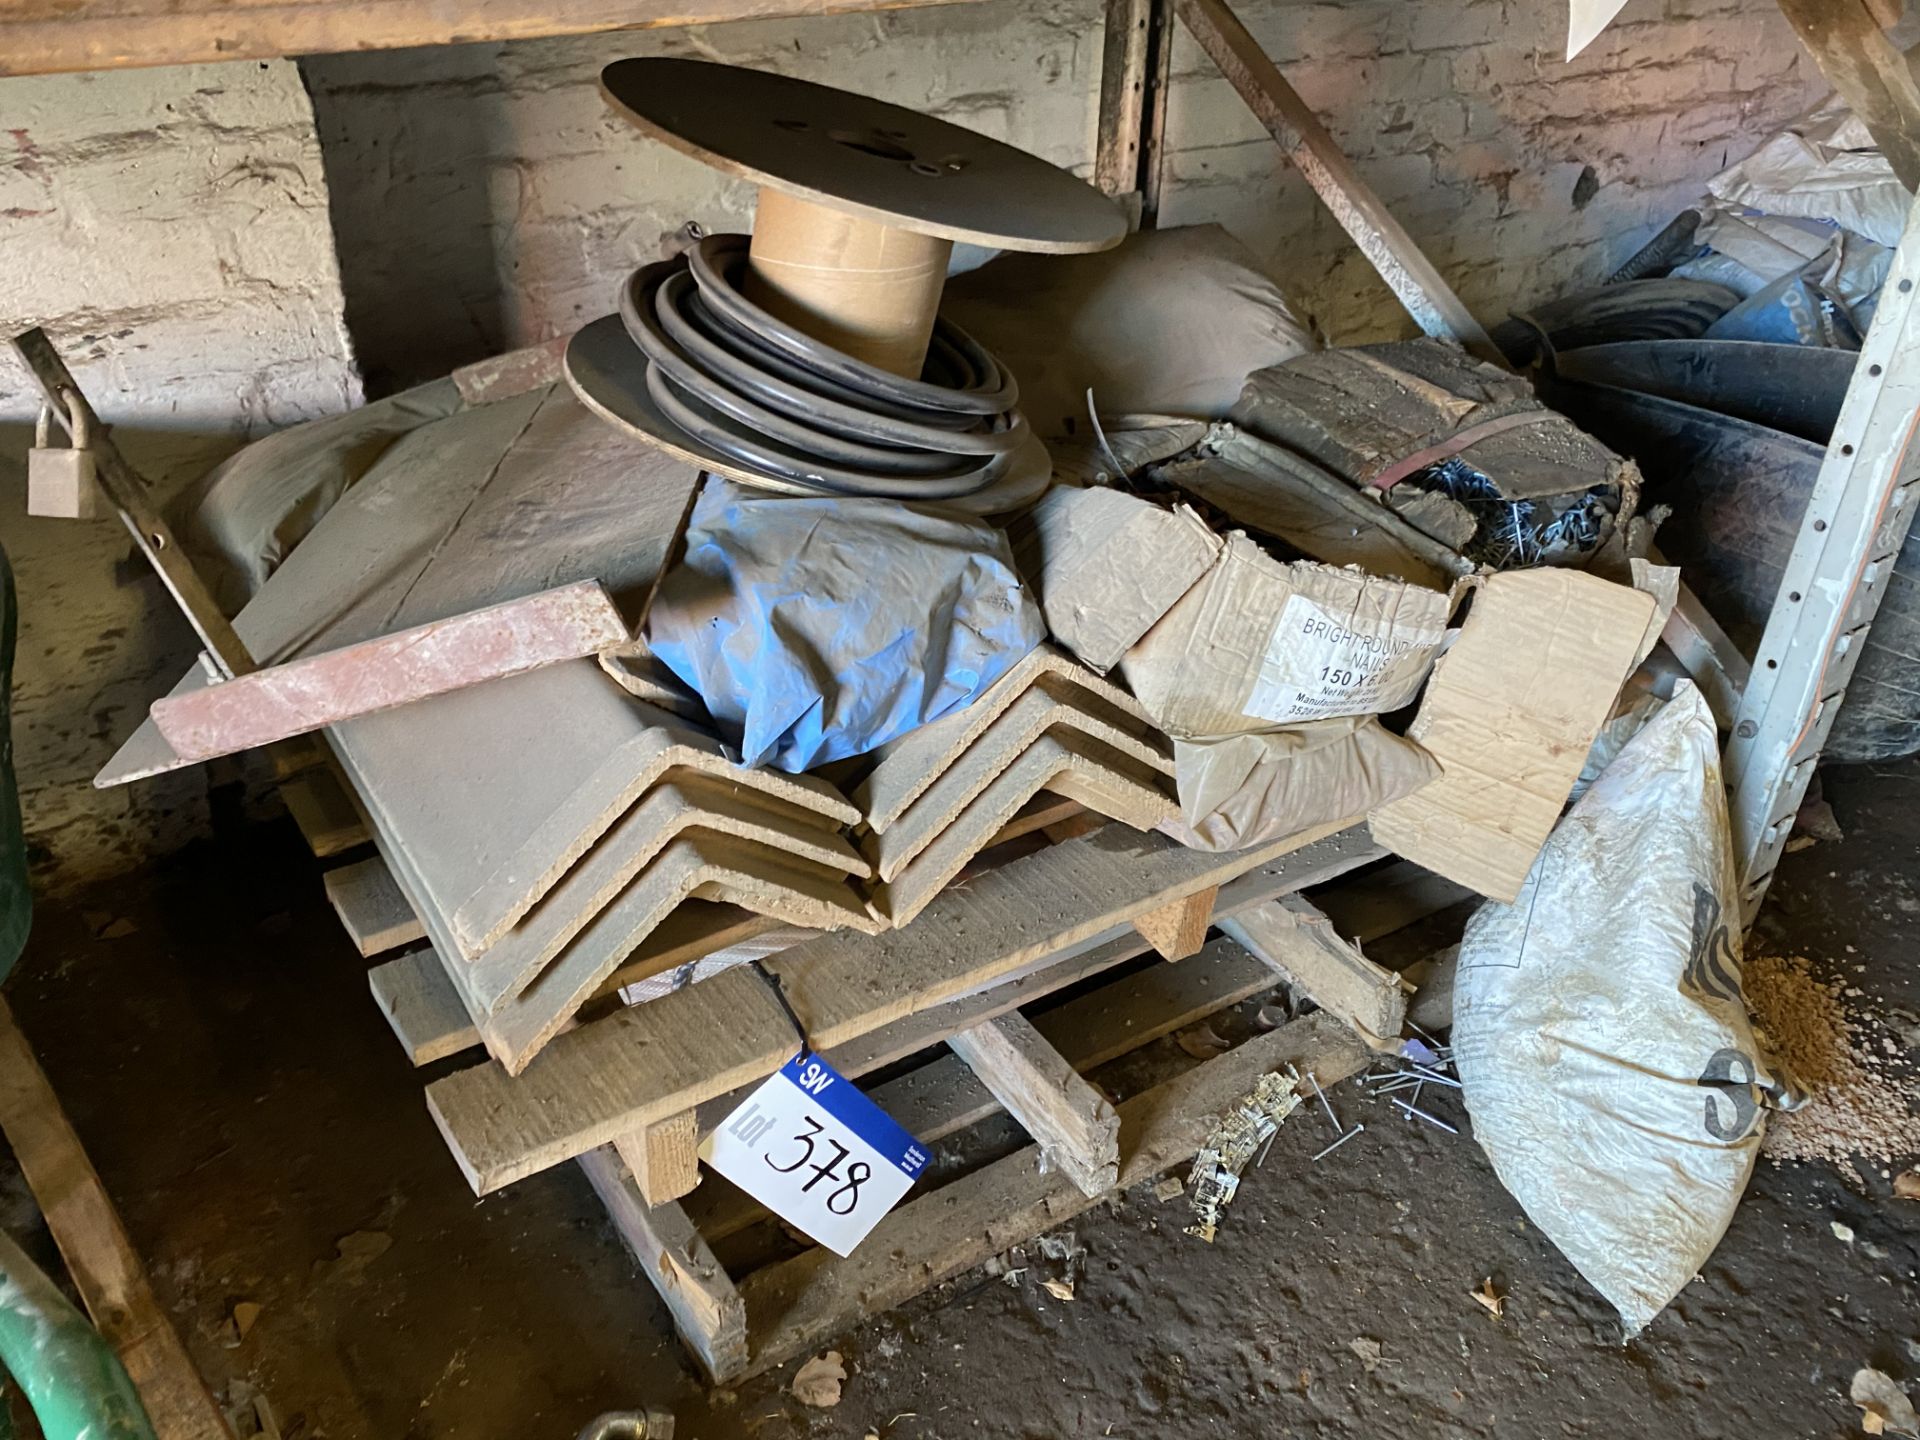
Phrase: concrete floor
(267,1143)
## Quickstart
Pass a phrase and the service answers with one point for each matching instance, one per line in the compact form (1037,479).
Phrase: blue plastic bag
(815,628)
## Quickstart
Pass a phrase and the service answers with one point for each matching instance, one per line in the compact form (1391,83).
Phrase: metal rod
(1325,1103)
(1358,1126)
(128,492)
(1430,1119)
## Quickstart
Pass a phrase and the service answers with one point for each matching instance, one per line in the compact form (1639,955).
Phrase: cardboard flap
(1510,713)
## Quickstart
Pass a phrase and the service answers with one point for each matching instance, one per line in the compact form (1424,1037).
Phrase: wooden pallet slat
(100,1257)
(794,1307)
(943,1096)
(1075,1126)
(605,1079)
(1299,942)
(663,1158)
(372,910)
(707,1309)
(1180,929)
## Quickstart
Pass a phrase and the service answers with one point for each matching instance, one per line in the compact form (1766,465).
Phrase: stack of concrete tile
(541,826)
(938,796)
(545,851)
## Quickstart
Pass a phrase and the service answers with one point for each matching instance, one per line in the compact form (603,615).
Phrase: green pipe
(75,1383)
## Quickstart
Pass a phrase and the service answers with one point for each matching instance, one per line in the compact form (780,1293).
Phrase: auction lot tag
(815,1151)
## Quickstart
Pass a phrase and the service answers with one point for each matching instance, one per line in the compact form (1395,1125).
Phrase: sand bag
(1600,1031)
(818,628)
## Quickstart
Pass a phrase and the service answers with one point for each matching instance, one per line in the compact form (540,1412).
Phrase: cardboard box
(1106,565)
(1510,714)
(1258,642)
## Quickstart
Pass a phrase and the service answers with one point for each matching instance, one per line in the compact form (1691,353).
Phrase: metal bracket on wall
(1850,537)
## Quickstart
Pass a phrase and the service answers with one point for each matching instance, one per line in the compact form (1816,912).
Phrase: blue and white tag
(815,1151)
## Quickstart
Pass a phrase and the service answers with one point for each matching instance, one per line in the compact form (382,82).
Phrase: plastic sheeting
(819,628)
(1599,1027)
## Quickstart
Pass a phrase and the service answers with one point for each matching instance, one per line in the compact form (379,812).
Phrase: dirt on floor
(211,1033)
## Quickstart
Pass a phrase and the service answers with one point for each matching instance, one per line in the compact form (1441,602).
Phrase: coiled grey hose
(754,389)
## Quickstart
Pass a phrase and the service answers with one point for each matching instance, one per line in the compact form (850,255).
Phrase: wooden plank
(375,915)
(1300,944)
(431,1022)
(1314,153)
(422,1006)
(1861,62)
(1180,929)
(605,1079)
(943,1096)
(1382,902)
(1125,41)
(794,1307)
(1074,1124)
(663,1158)
(1066,896)
(279,702)
(43,37)
(100,1257)
(328,821)
(707,1311)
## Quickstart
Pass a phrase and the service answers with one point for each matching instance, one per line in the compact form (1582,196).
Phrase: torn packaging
(1106,565)
(1241,790)
(1258,643)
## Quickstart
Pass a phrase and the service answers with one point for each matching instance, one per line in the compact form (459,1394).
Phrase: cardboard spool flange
(851,153)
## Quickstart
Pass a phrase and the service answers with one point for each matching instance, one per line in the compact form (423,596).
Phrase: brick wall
(169,228)
(1519,173)
(484,196)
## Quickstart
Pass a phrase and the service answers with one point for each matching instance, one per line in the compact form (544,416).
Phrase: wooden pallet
(736,1326)
(631,1093)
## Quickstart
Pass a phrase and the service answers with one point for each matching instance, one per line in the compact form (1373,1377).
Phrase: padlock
(61,483)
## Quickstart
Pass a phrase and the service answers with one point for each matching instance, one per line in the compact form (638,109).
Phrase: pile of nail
(1340,1130)
(1422,1062)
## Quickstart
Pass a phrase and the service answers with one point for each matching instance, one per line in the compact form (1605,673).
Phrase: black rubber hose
(772,399)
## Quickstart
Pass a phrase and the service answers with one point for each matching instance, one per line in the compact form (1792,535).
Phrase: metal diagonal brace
(1292,123)
(128,492)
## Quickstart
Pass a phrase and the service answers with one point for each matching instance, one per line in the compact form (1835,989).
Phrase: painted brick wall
(169,228)
(483,195)
(1519,173)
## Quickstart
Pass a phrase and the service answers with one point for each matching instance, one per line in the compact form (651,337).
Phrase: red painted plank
(282,701)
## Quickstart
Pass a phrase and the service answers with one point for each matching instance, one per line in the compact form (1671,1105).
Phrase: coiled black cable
(759,392)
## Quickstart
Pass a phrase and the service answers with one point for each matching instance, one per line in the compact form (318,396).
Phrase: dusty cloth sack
(1242,790)
(246,515)
(1599,1028)
(818,628)
(1170,321)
